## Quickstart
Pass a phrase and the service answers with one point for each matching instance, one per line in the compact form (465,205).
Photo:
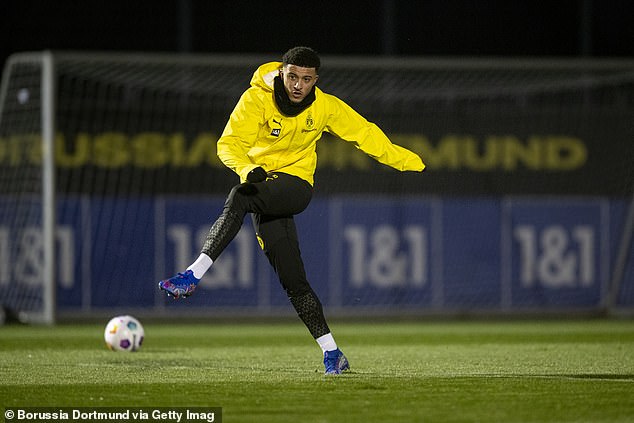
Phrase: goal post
(27,201)
(49,204)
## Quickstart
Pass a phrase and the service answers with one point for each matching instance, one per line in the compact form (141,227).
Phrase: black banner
(135,137)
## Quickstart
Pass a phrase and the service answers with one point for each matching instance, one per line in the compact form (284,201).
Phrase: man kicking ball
(270,142)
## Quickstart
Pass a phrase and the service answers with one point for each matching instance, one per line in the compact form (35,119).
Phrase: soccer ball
(124,333)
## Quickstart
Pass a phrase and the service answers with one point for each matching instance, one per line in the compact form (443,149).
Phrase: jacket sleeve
(347,124)
(240,133)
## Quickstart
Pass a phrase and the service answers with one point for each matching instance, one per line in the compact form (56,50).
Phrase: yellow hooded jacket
(258,134)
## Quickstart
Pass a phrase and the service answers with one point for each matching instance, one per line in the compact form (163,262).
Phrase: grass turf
(521,371)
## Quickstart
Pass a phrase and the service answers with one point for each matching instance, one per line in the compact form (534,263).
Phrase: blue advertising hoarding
(361,253)
(556,252)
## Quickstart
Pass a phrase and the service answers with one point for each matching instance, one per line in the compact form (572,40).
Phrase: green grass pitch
(425,371)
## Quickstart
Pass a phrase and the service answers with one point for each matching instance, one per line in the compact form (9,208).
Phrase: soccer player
(270,141)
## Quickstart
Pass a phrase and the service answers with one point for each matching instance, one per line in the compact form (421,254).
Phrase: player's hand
(256,175)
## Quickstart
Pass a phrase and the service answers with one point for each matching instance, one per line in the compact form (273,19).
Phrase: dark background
(568,28)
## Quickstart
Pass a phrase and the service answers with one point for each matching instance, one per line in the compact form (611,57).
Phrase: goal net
(27,200)
(109,181)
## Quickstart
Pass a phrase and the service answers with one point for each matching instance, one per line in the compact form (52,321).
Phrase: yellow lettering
(150,150)
(157,149)
(79,151)
(34,149)
(419,144)
(111,150)
(445,155)
(338,154)
(177,150)
(323,151)
(515,152)
(565,153)
(21,149)
(477,159)
(203,151)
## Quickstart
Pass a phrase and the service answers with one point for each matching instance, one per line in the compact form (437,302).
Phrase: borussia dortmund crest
(310,123)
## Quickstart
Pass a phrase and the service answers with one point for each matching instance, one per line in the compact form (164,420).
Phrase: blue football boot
(335,362)
(181,285)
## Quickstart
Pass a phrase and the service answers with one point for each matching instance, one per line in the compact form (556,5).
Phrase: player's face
(298,81)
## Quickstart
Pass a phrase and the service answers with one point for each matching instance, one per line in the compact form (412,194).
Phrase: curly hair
(304,57)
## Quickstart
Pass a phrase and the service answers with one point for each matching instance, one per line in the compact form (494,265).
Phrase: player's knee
(246,188)
(286,260)
(294,281)
(237,198)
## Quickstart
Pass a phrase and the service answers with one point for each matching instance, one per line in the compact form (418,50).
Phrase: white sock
(201,265)
(327,342)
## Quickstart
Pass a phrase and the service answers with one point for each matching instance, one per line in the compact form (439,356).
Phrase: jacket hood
(264,75)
